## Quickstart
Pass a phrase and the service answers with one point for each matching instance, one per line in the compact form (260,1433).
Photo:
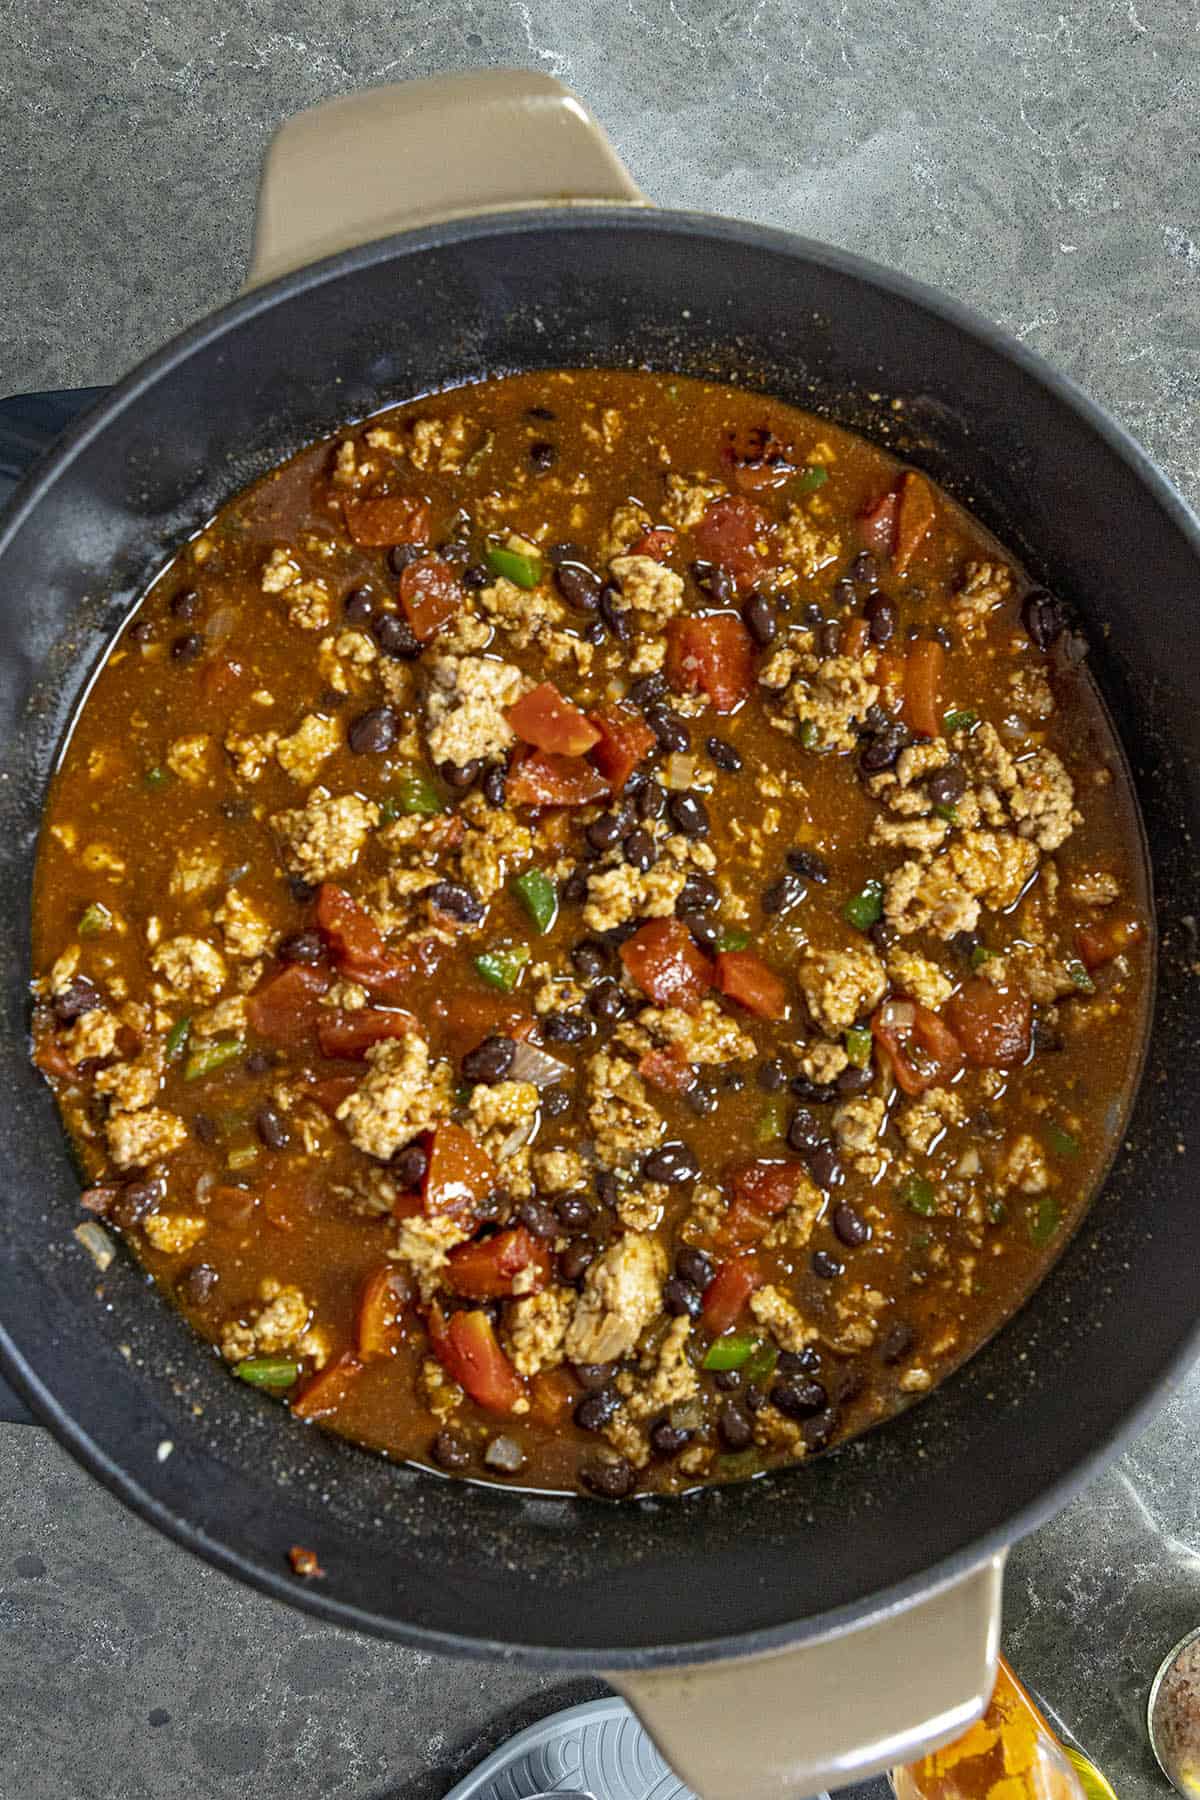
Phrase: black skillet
(803,1555)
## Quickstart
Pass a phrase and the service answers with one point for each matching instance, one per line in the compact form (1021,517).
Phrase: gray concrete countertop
(1035,158)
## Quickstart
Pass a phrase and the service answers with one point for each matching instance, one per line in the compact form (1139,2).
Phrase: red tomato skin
(430,595)
(285,1009)
(458,1175)
(327,1389)
(623,740)
(726,1295)
(744,977)
(667,963)
(712,653)
(385,519)
(549,721)
(347,1036)
(487,1270)
(994,1025)
(541,779)
(467,1348)
(729,535)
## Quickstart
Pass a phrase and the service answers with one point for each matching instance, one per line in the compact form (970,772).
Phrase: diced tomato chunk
(52,1059)
(730,533)
(623,739)
(1098,944)
(464,1022)
(889,673)
(666,962)
(330,1092)
(378,1325)
(743,976)
(877,524)
(922,1051)
(348,927)
(545,718)
(768,1185)
(430,595)
(924,667)
(349,1035)
(855,637)
(757,459)
(459,1173)
(487,1269)
(713,653)
(327,1389)
(915,513)
(726,1295)
(466,1346)
(665,1071)
(541,779)
(552,1396)
(657,543)
(285,1009)
(994,1025)
(387,519)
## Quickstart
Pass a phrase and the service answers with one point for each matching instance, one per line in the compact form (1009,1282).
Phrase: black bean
(187,648)
(595,1410)
(723,755)
(798,1397)
(235,806)
(798,1362)
(673,1163)
(711,579)
(331,698)
(460,775)
(650,801)
(880,752)
(608,1001)
(853,1080)
(564,1028)
(667,1439)
(539,412)
(504,1455)
(612,1479)
(196,1284)
(734,1080)
(565,551)
(812,1092)
(205,1130)
(698,894)
(185,604)
(772,1077)
(589,958)
(543,454)
(593,1376)
(804,1134)
(941,636)
(946,786)
(702,929)
(137,1198)
(760,618)
(849,1226)
(783,894)
(694,1266)
(639,851)
(575,1261)
(272,1128)
(454,550)
(727,1381)
(613,614)
(648,688)
(604,831)
(844,593)
(883,935)
(825,1266)
(897,1342)
(497,1202)
(829,639)
(813,616)
(700,1099)
(302,947)
(359,606)
(495,786)
(574,889)
(373,733)
(409,1166)
(400,555)
(579,586)
(259,1061)
(78,997)
(396,637)
(450,1450)
(818,1430)
(489,1061)
(688,814)
(538,1218)
(735,1426)
(824,1167)
(1047,1038)
(573,1212)
(555,1102)
(452,898)
(881,616)
(476,576)
(668,728)
(680,1298)
(864,568)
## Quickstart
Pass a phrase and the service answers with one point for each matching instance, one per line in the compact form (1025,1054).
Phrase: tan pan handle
(369,164)
(828,1713)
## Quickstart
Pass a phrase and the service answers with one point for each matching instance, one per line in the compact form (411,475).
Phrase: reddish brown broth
(1004,973)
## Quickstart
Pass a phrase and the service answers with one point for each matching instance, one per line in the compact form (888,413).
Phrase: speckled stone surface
(1035,158)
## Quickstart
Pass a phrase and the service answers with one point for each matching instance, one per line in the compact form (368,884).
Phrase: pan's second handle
(789,1724)
(359,168)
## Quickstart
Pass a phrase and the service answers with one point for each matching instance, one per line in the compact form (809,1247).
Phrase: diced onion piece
(898,1015)
(679,770)
(97,1243)
(532,1064)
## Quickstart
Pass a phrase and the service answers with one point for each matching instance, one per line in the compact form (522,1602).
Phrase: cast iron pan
(119,1377)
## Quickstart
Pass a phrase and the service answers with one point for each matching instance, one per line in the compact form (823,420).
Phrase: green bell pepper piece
(524,570)
(538,895)
(210,1057)
(502,968)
